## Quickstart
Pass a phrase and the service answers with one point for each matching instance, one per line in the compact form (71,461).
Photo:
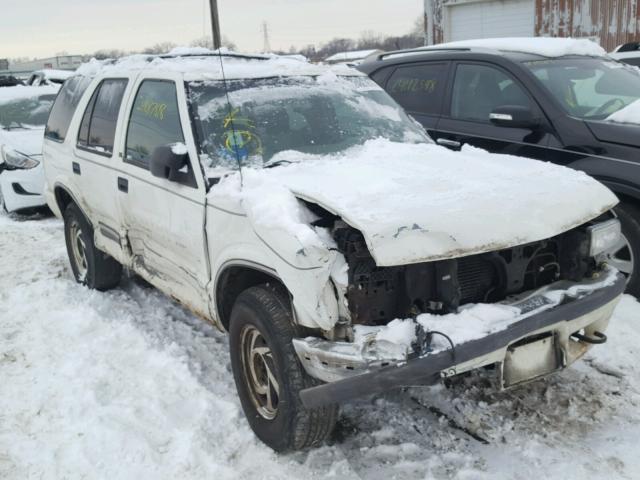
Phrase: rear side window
(98,127)
(419,88)
(154,121)
(64,107)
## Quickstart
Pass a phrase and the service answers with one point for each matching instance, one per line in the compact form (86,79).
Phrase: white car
(300,209)
(628,53)
(23,114)
(49,77)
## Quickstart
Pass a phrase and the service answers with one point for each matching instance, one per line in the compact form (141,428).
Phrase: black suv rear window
(64,107)
(418,88)
(98,126)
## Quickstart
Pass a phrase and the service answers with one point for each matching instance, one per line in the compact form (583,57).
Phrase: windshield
(589,88)
(293,116)
(25,112)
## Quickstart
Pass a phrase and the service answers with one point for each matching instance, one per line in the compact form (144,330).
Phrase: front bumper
(542,334)
(22,189)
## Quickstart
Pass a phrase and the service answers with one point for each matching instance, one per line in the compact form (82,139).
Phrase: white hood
(417,203)
(27,141)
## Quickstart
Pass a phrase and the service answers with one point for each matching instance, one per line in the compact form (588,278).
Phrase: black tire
(96,270)
(292,427)
(629,216)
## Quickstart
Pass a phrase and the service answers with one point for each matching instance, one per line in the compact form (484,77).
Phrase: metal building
(608,22)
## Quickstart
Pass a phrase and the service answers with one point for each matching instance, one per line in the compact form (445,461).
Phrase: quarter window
(98,126)
(418,88)
(154,121)
(65,106)
(478,90)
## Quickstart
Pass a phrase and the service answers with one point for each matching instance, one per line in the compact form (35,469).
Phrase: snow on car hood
(421,202)
(27,141)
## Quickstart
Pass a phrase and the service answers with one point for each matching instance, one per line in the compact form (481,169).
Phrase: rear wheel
(269,376)
(625,255)
(90,266)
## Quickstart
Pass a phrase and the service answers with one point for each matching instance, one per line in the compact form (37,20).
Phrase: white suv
(301,210)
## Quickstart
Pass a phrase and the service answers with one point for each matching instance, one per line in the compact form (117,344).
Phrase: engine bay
(376,294)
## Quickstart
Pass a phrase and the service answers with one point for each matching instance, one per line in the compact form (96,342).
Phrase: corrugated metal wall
(613,22)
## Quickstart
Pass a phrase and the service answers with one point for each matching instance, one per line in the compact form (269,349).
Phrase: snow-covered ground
(126,384)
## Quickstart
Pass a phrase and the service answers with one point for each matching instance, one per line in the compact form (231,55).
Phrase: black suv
(516,103)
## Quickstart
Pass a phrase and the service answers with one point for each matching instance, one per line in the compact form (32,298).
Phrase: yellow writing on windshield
(153,109)
(414,85)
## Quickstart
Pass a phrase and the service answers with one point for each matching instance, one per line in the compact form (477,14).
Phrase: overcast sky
(44,28)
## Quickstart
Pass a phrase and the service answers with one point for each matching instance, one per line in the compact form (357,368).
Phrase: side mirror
(166,163)
(514,116)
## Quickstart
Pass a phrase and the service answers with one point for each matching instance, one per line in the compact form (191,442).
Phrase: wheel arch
(64,197)
(235,277)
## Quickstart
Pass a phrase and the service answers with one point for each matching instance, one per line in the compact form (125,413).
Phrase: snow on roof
(204,64)
(19,92)
(545,46)
(350,56)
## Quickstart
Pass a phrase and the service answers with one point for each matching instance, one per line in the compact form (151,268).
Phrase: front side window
(588,88)
(98,126)
(154,121)
(290,119)
(65,106)
(479,89)
(25,113)
(419,88)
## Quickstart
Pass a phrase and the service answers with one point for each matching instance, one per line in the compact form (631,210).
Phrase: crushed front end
(529,310)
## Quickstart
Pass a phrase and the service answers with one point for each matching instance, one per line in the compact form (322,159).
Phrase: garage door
(488,19)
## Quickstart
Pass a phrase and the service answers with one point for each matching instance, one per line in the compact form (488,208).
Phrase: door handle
(445,142)
(123,184)
(75,166)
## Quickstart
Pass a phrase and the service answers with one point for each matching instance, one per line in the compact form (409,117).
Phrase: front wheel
(625,255)
(269,376)
(90,266)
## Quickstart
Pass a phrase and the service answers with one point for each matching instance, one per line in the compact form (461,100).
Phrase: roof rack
(421,50)
(214,54)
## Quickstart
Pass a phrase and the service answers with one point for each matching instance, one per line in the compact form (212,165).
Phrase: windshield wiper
(13,126)
(277,163)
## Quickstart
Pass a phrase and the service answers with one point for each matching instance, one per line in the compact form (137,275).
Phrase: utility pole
(215,24)
(265,30)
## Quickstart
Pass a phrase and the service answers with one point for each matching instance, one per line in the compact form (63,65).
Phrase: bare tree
(162,47)
(369,40)
(206,42)
(106,53)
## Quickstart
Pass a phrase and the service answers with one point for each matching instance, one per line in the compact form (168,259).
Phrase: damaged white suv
(299,209)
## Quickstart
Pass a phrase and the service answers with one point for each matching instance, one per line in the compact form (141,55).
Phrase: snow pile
(473,321)
(421,202)
(179,148)
(177,51)
(350,56)
(128,385)
(629,114)
(393,341)
(208,67)
(20,92)
(545,46)
(123,384)
(268,203)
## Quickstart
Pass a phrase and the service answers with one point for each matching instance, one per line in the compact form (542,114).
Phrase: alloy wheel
(259,372)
